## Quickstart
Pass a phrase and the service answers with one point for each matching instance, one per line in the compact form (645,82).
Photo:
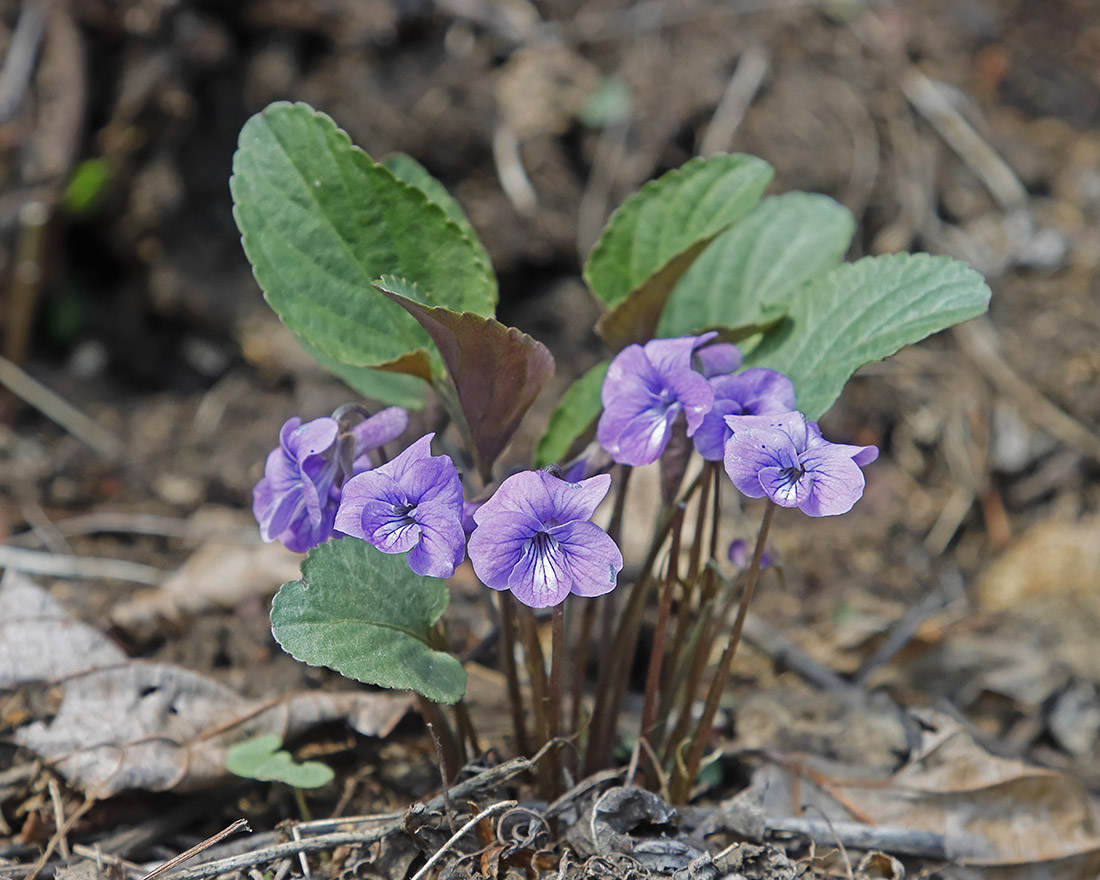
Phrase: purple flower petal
(749,451)
(533,537)
(496,545)
(837,481)
(411,504)
(442,545)
(383,427)
(717,359)
(546,498)
(694,394)
(710,439)
(540,577)
(592,559)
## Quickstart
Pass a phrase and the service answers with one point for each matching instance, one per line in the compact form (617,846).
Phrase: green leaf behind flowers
(749,273)
(670,216)
(578,408)
(365,614)
(863,312)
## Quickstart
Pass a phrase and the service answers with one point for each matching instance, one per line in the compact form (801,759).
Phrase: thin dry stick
(64,829)
(239,825)
(56,565)
(751,69)
(457,836)
(59,410)
(26,279)
(59,816)
(653,675)
(685,778)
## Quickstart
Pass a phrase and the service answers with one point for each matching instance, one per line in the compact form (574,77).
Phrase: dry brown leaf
(1000,816)
(1054,558)
(157,727)
(134,724)
(217,575)
(39,641)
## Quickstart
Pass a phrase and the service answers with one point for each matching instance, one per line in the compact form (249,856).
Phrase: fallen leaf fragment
(40,642)
(126,723)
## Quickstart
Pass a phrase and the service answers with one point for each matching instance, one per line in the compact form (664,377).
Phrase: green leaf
(86,187)
(263,758)
(409,170)
(365,614)
(497,370)
(578,408)
(668,216)
(320,220)
(748,274)
(862,312)
(391,389)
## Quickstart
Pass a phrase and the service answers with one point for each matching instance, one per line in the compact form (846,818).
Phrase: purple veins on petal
(646,389)
(533,537)
(786,458)
(411,504)
(754,391)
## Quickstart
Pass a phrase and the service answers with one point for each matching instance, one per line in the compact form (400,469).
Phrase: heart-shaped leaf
(668,217)
(262,757)
(862,312)
(497,370)
(748,274)
(320,220)
(365,614)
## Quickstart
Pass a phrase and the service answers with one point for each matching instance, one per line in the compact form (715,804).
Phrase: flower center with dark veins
(404,512)
(543,543)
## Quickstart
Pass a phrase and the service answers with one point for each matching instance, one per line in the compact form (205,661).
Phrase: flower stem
(653,676)
(508,662)
(580,660)
(685,776)
(540,696)
(557,661)
(615,671)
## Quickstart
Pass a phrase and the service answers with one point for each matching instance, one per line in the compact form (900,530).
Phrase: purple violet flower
(740,554)
(645,390)
(755,391)
(534,537)
(297,498)
(785,457)
(412,503)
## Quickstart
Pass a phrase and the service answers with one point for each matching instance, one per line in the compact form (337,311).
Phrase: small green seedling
(263,758)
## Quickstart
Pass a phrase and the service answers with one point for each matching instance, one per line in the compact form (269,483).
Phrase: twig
(780,650)
(59,410)
(26,279)
(511,173)
(891,839)
(59,817)
(20,56)
(457,836)
(978,340)
(239,825)
(56,565)
(147,524)
(58,835)
(743,85)
(928,98)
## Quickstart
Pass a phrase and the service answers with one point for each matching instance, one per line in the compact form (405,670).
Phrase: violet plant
(376,269)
